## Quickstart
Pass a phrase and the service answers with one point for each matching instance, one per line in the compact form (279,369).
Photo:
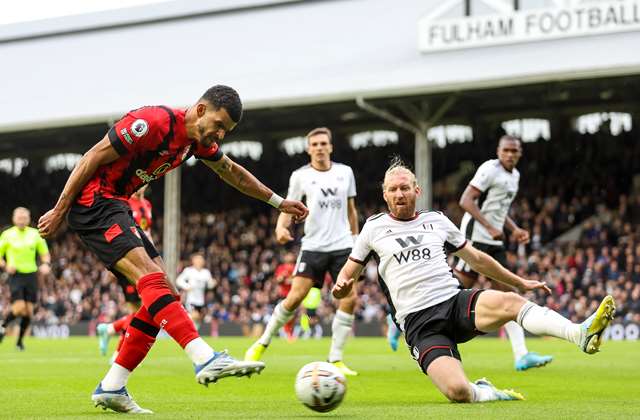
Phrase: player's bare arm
(352,214)
(468,202)
(100,154)
(346,279)
(486,265)
(244,181)
(521,235)
(283,225)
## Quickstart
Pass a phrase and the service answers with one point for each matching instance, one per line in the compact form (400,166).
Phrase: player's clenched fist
(342,288)
(295,208)
(49,223)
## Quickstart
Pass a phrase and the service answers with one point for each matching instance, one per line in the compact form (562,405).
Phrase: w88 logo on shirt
(415,254)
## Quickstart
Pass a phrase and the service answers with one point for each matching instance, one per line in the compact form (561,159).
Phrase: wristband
(275,200)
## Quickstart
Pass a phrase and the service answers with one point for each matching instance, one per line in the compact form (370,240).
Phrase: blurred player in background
(142,147)
(309,320)
(18,248)
(330,191)
(486,201)
(393,333)
(195,280)
(427,302)
(283,275)
(142,213)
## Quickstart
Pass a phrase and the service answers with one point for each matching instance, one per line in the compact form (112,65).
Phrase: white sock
(115,378)
(111,330)
(516,336)
(198,351)
(544,321)
(340,329)
(482,393)
(279,317)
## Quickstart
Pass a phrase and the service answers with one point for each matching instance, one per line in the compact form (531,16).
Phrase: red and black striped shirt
(151,141)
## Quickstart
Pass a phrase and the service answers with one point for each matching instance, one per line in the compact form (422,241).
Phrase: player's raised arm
(244,181)
(486,265)
(346,278)
(100,154)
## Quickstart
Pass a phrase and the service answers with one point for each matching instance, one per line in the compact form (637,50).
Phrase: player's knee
(512,303)
(293,300)
(458,392)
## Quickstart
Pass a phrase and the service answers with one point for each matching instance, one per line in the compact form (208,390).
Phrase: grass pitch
(55,378)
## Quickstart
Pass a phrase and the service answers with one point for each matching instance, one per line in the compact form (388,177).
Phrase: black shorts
(498,252)
(24,286)
(436,331)
(107,228)
(128,289)
(196,308)
(315,264)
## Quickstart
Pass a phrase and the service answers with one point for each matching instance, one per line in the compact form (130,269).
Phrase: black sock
(8,319)
(24,324)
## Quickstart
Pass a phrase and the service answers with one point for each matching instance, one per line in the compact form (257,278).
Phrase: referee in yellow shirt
(18,247)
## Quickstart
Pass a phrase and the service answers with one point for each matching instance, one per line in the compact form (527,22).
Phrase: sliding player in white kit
(330,191)
(427,303)
(195,280)
(486,201)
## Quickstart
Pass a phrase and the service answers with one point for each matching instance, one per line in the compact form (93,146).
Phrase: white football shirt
(195,282)
(327,193)
(412,262)
(499,187)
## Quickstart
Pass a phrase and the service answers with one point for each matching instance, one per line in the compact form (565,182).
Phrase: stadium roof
(552,100)
(89,69)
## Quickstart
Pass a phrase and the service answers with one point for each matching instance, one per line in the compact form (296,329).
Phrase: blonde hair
(397,165)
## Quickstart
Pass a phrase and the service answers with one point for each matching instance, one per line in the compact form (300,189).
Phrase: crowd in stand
(241,253)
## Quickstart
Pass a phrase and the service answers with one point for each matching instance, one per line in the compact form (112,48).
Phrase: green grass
(54,379)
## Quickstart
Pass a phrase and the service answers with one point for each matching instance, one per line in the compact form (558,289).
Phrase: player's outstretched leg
(166,311)
(282,313)
(393,333)
(587,335)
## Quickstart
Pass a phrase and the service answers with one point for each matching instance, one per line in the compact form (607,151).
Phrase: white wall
(288,54)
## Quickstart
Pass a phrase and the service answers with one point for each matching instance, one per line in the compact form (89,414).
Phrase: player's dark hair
(508,137)
(320,130)
(221,96)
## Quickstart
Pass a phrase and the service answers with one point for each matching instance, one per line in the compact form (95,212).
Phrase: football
(320,386)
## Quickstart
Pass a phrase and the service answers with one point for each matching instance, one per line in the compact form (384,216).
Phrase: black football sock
(8,319)
(24,324)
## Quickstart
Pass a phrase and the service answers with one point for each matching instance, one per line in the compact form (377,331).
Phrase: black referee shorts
(436,331)
(107,228)
(24,286)
(315,264)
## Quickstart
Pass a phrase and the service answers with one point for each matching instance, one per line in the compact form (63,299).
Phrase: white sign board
(578,19)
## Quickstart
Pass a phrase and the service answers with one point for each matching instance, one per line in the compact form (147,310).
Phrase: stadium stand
(597,203)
